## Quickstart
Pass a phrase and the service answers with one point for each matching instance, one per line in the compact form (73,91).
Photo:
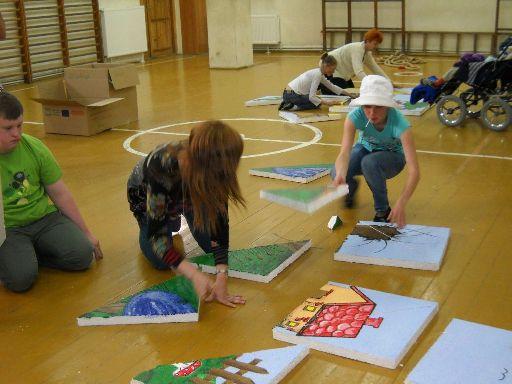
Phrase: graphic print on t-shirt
(19,188)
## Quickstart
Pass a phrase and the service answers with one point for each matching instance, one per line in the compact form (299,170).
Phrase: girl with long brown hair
(195,178)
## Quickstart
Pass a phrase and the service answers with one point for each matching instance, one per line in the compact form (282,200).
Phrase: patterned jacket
(157,198)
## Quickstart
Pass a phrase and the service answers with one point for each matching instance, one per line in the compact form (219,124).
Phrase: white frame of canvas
(256,102)
(340,191)
(389,262)
(123,320)
(260,278)
(273,175)
(405,112)
(285,335)
(292,117)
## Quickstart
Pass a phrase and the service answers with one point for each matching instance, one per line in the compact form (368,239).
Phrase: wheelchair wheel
(451,110)
(473,103)
(496,114)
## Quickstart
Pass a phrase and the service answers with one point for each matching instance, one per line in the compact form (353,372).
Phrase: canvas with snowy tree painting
(414,246)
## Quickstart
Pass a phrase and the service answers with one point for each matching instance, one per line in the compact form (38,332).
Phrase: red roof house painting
(338,312)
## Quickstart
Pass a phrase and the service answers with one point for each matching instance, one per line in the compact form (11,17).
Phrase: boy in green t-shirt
(39,231)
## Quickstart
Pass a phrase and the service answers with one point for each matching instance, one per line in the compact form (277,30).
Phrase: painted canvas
(268,366)
(264,100)
(414,246)
(297,173)
(305,199)
(300,117)
(259,263)
(466,352)
(172,301)
(358,323)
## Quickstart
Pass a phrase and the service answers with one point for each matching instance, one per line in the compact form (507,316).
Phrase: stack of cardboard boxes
(90,99)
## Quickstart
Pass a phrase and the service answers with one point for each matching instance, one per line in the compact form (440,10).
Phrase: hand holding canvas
(397,215)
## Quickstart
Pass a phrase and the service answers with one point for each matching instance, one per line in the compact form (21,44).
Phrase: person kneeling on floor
(300,93)
(37,231)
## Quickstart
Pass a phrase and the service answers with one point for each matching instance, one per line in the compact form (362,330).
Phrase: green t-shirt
(24,172)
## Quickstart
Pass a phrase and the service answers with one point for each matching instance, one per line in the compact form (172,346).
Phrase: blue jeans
(376,167)
(301,101)
(203,239)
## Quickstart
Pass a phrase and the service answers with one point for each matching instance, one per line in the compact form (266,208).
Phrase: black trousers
(342,83)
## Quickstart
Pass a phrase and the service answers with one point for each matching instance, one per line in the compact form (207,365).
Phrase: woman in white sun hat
(385,145)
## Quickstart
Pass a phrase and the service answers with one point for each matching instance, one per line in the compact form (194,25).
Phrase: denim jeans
(301,101)
(376,167)
(203,239)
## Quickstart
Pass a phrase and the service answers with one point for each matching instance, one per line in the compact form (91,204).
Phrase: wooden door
(194,30)
(160,26)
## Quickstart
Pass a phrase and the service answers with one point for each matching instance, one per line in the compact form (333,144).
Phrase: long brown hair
(213,154)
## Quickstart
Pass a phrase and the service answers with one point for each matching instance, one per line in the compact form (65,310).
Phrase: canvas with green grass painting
(305,199)
(261,263)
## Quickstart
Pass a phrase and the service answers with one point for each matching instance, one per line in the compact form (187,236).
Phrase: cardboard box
(103,81)
(91,99)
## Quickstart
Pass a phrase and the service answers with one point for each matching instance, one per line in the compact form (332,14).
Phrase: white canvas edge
(121,320)
(294,118)
(278,334)
(259,278)
(388,262)
(405,112)
(290,367)
(255,103)
(304,207)
(303,180)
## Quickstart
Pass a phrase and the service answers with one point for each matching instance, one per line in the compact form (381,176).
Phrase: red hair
(373,34)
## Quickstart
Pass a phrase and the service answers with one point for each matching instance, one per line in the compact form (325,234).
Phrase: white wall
(116,4)
(301,20)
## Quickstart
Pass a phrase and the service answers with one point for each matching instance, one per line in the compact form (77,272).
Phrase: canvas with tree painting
(173,300)
(261,367)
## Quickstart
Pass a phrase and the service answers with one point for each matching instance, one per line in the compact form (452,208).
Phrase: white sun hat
(375,90)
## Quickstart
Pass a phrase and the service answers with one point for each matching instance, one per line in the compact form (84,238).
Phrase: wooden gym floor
(461,188)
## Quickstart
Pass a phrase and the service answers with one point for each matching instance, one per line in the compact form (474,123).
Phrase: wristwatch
(221,270)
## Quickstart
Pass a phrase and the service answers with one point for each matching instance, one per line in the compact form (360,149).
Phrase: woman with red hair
(351,58)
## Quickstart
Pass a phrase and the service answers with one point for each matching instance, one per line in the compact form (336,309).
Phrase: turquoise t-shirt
(24,172)
(386,140)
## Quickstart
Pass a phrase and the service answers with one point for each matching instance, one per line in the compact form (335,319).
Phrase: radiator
(123,31)
(265,29)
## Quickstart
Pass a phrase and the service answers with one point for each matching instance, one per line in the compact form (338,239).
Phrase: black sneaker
(285,106)
(382,216)
(351,197)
